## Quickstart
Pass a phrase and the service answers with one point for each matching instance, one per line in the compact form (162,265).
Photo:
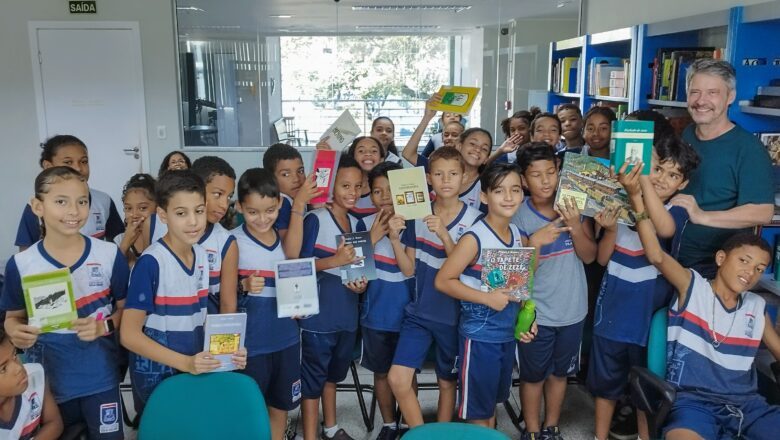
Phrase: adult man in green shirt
(732,189)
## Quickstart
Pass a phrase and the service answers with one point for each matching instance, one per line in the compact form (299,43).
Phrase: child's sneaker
(551,433)
(530,436)
(387,433)
(339,435)
(624,425)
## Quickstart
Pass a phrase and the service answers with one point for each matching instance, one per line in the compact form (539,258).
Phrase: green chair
(207,406)
(453,431)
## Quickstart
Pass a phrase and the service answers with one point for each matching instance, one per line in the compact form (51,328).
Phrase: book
(587,180)
(569,67)
(456,99)
(49,299)
(224,334)
(343,131)
(366,267)
(772,143)
(512,268)
(296,288)
(631,142)
(324,171)
(409,190)
(599,71)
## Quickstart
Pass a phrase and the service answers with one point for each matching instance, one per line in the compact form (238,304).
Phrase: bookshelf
(618,46)
(559,51)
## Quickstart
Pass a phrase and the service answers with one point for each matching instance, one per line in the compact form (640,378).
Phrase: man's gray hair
(722,69)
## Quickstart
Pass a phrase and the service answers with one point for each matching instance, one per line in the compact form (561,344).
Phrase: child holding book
(715,330)
(273,344)
(168,292)
(139,204)
(27,407)
(487,319)
(81,362)
(432,316)
(327,339)
(382,307)
(103,221)
(632,289)
(220,246)
(561,301)
(296,190)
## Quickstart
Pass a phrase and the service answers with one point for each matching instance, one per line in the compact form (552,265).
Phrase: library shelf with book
(609,57)
(566,75)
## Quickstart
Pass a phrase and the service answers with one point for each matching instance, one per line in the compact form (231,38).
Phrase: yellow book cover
(410,192)
(456,99)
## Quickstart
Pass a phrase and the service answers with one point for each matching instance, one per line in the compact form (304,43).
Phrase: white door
(89,84)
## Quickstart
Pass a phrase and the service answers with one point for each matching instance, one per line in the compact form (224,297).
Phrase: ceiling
(337,17)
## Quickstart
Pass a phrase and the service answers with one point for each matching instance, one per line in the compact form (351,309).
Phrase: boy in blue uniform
(561,301)
(432,316)
(81,363)
(272,343)
(487,318)
(168,293)
(382,308)
(328,338)
(631,289)
(297,190)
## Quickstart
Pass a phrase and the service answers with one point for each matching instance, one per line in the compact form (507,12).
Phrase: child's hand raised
(358,286)
(254,283)
(202,362)
(380,226)
(429,112)
(133,230)
(548,234)
(570,213)
(607,217)
(239,358)
(630,180)
(395,225)
(323,144)
(345,254)
(511,143)
(306,192)
(435,224)
(530,334)
(23,335)
(498,299)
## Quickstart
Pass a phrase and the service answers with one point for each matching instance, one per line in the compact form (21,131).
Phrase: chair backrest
(207,406)
(280,130)
(453,431)
(656,343)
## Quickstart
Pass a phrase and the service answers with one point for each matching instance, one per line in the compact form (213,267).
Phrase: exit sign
(82,7)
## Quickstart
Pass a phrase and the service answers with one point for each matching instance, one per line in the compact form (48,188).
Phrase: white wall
(18,120)
(605,15)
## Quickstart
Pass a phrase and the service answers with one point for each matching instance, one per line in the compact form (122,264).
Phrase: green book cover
(632,141)
(49,299)
(409,189)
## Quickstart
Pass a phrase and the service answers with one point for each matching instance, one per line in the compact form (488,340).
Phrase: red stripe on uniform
(386,260)
(181,300)
(728,340)
(31,427)
(324,248)
(260,273)
(625,251)
(364,210)
(100,234)
(464,374)
(85,300)
(556,254)
(430,243)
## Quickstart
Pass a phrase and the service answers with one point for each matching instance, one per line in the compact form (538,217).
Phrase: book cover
(296,288)
(587,180)
(366,267)
(772,143)
(569,67)
(409,190)
(50,300)
(631,142)
(512,268)
(324,170)
(456,99)
(343,131)
(224,334)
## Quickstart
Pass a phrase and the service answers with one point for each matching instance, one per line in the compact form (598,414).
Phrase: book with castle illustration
(50,300)
(224,335)
(587,180)
(512,268)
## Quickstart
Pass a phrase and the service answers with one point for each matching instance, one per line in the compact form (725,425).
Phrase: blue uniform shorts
(378,349)
(325,357)
(485,377)
(101,412)
(554,350)
(278,375)
(609,364)
(416,338)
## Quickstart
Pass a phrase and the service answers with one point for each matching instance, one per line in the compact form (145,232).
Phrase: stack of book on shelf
(564,75)
(621,110)
(669,68)
(608,76)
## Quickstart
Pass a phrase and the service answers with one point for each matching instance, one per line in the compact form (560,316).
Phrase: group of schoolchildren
(142,302)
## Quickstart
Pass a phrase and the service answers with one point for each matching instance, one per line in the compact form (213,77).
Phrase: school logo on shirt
(95,275)
(201,284)
(35,406)
(461,229)
(750,324)
(212,256)
(109,417)
(98,221)
(296,390)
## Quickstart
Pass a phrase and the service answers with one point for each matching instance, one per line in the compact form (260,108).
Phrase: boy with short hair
(272,343)
(328,338)
(222,252)
(286,164)
(715,329)
(570,116)
(561,300)
(27,407)
(163,321)
(382,307)
(432,316)
(632,289)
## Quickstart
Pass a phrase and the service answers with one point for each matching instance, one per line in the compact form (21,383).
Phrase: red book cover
(325,171)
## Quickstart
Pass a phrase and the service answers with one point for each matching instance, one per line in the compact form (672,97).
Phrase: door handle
(131,150)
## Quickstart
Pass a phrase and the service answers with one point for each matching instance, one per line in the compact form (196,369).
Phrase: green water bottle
(525,318)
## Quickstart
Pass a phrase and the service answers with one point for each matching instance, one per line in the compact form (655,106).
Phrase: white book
(224,335)
(343,131)
(296,288)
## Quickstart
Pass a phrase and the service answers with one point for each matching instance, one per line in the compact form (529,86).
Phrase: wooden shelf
(567,94)
(765,111)
(659,103)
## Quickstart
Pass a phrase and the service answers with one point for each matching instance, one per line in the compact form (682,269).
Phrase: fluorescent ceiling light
(281,16)
(397,27)
(562,3)
(214,27)
(371,8)
(189,8)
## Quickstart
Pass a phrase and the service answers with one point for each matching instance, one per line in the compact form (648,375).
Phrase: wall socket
(162,132)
